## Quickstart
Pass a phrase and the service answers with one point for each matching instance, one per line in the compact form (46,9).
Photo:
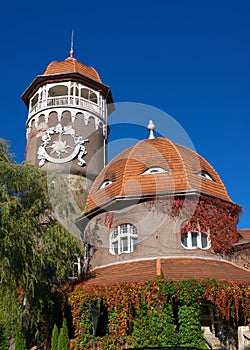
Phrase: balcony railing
(66,101)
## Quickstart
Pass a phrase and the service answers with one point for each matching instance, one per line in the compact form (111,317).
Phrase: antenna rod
(71,44)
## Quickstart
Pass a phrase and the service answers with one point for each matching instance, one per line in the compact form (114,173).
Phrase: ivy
(159,312)
(190,333)
(157,326)
(214,216)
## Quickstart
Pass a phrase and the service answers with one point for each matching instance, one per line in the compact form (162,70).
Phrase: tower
(68,106)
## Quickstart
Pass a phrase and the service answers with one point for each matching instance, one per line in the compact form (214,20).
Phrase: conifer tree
(63,339)
(54,339)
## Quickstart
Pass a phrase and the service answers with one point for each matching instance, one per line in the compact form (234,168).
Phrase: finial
(151,128)
(71,44)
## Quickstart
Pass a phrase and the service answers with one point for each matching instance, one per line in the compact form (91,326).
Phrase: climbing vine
(202,213)
(155,313)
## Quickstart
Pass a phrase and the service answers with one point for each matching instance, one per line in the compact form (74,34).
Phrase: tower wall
(81,149)
(66,128)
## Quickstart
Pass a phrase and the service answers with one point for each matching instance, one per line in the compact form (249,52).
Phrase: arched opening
(58,90)
(58,95)
(88,95)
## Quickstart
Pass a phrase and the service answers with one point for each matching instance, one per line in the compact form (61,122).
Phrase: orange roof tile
(172,268)
(244,235)
(70,65)
(181,165)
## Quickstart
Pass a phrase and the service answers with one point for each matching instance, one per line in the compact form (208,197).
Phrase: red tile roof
(172,268)
(244,235)
(71,65)
(181,163)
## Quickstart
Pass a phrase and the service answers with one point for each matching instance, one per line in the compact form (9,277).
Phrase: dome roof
(71,65)
(155,166)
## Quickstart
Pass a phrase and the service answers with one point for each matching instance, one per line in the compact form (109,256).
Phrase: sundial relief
(61,144)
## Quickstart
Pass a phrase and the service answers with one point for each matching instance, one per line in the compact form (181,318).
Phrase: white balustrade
(66,101)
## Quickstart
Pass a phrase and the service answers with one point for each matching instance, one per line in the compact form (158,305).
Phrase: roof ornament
(151,128)
(71,44)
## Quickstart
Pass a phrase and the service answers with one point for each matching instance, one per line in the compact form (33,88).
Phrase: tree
(63,339)
(54,339)
(36,252)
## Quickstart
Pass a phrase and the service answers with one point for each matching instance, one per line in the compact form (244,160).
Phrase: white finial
(151,128)
(71,44)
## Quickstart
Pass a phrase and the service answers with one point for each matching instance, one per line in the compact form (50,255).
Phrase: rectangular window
(184,239)
(194,239)
(133,244)
(123,229)
(203,240)
(133,230)
(115,247)
(124,244)
(115,234)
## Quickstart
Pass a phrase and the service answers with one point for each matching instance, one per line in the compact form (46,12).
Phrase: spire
(151,128)
(71,44)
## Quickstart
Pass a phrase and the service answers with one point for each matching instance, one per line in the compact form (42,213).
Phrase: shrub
(20,341)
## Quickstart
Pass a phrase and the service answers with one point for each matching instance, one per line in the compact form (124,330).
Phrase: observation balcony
(67,94)
(69,101)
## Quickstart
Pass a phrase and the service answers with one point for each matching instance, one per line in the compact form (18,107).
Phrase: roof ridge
(131,150)
(95,71)
(183,164)
(125,166)
(74,63)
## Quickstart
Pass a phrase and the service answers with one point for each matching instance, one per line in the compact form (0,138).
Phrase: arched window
(105,184)
(89,95)
(154,170)
(123,239)
(74,91)
(205,175)
(195,239)
(58,90)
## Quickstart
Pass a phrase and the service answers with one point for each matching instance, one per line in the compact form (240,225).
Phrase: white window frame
(123,239)
(191,244)
(105,184)
(205,175)
(154,170)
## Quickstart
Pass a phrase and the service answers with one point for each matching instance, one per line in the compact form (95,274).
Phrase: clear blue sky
(189,58)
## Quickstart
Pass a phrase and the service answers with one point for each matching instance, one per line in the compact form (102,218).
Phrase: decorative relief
(99,121)
(61,144)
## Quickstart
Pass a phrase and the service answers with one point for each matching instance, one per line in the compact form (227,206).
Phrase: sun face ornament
(61,144)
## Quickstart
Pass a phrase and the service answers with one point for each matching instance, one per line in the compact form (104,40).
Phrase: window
(105,184)
(154,170)
(123,239)
(58,90)
(193,240)
(89,95)
(34,100)
(204,174)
